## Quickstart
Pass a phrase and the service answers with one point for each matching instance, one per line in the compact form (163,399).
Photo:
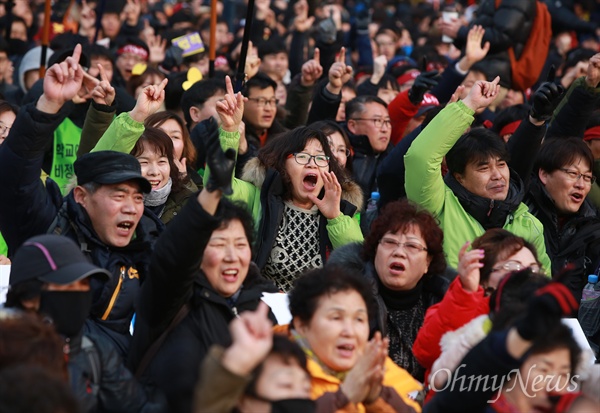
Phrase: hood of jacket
(488,212)
(31,61)
(255,172)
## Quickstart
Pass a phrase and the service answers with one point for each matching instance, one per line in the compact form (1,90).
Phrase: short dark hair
(95,51)
(357,105)
(272,46)
(329,127)
(398,216)
(158,141)
(310,287)
(558,153)
(285,348)
(276,151)
(231,211)
(475,146)
(260,81)
(498,244)
(198,94)
(8,107)
(137,80)
(559,337)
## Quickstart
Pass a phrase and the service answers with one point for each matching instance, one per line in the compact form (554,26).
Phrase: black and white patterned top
(296,247)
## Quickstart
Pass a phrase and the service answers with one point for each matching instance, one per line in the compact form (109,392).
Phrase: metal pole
(239,77)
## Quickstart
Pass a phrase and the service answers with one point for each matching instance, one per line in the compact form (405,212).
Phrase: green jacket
(341,230)
(425,186)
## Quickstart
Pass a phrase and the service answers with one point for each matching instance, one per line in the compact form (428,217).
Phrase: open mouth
(576,197)
(154,183)
(230,275)
(310,181)
(346,350)
(397,267)
(126,226)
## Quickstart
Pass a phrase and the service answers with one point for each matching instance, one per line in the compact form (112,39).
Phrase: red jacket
(456,309)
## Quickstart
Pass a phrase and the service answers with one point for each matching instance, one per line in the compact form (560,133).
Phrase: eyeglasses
(341,151)
(378,122)
(410,247)
(511,266)
(303,158)
(261,102)
(574,176)
(4,129)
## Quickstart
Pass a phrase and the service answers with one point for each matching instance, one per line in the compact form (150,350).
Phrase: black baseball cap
(53,259)
(109,167)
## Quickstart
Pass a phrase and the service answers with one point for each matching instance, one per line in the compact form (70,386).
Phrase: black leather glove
(545,100)
(221,165)
(423,83)
(545,310)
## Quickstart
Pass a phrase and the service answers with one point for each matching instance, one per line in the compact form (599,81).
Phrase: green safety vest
(66,143)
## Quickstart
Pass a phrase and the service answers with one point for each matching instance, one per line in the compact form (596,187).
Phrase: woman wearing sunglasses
(293,190)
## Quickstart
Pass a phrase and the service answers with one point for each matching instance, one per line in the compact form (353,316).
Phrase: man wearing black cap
(104,214)
(51,276)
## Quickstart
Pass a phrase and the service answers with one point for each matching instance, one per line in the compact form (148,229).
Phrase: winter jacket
(325,104)
(396,382)
(175,281)
(401,110)
(564,19)
(460,212)
(433,289)
(575,110)
(253,136)
(574,239)
(507,26)
(101,382)
(262,190)
(457,308)
(28,208)
(365,163)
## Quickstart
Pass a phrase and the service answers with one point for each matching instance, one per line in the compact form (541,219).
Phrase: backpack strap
(151,352)
(89,348)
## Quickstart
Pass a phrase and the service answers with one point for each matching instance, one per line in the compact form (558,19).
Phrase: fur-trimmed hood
(255,172)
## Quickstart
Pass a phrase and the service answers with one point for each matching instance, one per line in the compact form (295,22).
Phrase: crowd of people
(417,178)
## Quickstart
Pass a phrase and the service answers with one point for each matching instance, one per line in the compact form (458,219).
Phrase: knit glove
(221,164)
(545,309)
(545,100)
(423,83)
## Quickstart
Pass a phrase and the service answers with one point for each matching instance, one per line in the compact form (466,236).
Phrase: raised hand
(103,93)
(469,265)
(593,72)
(545,100)
(312,70)
(482,94)
(339,73)
(423,83)
(252,62)
(302,22)
(458,94)
(357,385)
(330,204)
(221,164)
(379,66)
(474,51)
(231,108)
(149,101)
(378,373)
(62,83)
(252,337)
(158,49)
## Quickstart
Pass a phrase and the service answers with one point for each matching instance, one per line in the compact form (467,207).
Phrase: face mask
(67,309)
(293,406)
(407,50)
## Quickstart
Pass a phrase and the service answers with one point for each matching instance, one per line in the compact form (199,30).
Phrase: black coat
(175,280)
(505,27)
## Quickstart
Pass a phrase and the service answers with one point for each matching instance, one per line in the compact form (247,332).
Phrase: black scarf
(488,212)
(400,300)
